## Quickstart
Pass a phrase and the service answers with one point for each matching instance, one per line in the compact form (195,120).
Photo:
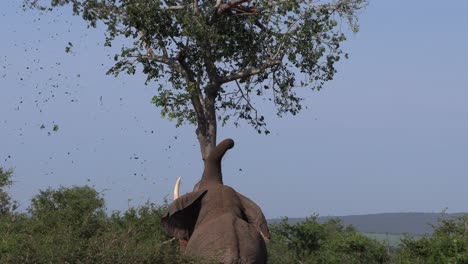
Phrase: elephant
(214,221)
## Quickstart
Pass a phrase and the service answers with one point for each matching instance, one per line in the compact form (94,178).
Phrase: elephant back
(219,200)
(227,239)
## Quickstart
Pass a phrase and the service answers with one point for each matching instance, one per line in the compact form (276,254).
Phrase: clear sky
(389,134)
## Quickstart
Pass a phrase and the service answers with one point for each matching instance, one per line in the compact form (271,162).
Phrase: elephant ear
(182,215)
(254,216)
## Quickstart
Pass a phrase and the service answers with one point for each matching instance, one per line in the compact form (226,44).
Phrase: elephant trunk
(212,173)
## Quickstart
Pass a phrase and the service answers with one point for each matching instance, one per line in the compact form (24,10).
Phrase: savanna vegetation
(70,225)
(217,61)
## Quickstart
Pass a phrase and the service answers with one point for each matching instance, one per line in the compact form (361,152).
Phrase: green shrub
(6,204)
(448,244)
(314,243)
(69,225)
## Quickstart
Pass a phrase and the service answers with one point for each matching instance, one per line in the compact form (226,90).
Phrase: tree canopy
(213,60)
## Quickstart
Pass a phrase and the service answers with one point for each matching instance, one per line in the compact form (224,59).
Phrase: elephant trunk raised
(215,221)
(212,173)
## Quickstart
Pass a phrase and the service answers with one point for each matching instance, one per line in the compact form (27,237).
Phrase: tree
(6,204)
(80,209)
(220,57)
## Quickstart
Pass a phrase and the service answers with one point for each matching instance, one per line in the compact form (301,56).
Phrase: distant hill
(386,223)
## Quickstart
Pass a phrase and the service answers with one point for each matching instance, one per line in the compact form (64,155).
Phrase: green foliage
(264,49)
(68,225)
(392,241)
(6,204)
(448,244)
(314,243)
(79,209)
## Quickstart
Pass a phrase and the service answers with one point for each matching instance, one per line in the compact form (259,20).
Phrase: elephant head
(215,221)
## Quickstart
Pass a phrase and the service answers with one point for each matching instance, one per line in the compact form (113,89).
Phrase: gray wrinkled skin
(215,222)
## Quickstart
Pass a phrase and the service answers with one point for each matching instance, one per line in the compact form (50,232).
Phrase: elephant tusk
(176,189)
(265,238)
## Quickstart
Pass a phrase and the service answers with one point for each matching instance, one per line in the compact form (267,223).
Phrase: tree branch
(250,71)
(234,4)
(162,59)
(195,92)
(179,7)
(181,66)
(196,10)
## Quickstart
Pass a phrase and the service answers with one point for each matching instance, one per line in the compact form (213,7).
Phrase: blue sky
(389,134)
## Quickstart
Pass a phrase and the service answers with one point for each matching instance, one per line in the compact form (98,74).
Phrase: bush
(314,243)
(448,244)
(6,204)
(69,225)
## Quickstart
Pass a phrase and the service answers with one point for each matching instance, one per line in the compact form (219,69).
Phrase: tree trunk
(207,126)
